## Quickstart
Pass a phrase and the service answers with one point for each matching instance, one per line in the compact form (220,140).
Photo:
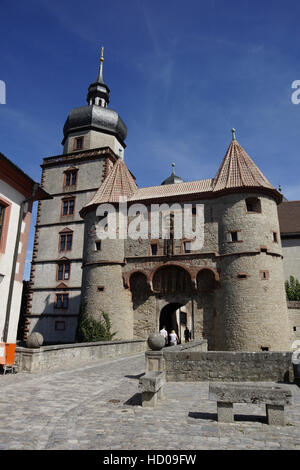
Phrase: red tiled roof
(168,190)
(238,170)
(119,182)
(289,217)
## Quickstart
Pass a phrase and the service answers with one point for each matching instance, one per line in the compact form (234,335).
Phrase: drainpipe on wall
(13,271)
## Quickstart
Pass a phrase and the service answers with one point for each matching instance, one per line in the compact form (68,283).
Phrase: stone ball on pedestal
(156,341)
(34,340)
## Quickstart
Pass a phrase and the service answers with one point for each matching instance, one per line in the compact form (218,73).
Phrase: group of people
(172,338)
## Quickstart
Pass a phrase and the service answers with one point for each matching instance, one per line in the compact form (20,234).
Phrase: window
(78,143)
(275,238)
(2,212)
(187,246)
(264,275)
(63,271)
(253,204)
(71,177)
(98,245)
(60,326)
(62,301)
(242,276)
(234,236)
(264,348)
(4,220)
(68,206)
(65,241)
(100,288)
(154,249)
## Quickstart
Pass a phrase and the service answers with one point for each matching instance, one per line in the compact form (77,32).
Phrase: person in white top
(164,333)
(173,338)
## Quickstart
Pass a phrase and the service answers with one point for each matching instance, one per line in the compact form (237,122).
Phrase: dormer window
(78,143)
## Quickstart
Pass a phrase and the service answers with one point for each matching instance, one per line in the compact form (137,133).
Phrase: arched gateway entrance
(168,297)
(169,319)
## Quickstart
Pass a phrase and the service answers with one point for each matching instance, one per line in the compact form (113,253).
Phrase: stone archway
(169,318)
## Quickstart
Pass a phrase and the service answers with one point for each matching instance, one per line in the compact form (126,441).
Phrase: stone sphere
(156,341)
(35,340)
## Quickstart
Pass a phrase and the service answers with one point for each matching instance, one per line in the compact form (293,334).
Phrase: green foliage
(292,288)
(90,330)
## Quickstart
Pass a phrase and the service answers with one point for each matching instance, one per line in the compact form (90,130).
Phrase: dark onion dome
(96,116)
(172,179)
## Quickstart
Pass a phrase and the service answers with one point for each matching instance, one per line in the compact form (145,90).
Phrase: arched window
(171,279)
(138,286)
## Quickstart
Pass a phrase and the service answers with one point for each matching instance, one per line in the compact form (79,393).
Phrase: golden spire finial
(102,51)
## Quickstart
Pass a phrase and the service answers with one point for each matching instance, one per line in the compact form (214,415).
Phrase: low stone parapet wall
(227,366)
(51,357)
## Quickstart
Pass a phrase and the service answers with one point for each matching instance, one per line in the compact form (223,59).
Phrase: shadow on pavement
(135,400)
(136,377)
(237,417)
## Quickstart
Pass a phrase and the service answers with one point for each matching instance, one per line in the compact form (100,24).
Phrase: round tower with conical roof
(103,259)
(252,303)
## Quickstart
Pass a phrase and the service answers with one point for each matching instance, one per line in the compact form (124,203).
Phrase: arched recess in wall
(139,287)
(206,280)
(171,279)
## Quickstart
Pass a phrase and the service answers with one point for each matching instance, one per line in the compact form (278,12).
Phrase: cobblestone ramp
(98,407)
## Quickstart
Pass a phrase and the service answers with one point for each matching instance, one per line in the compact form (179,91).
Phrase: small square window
(100,288)
(98,245)
(242,276)
(78,143)
(60,326)
(154,249)
(187,246)
(234,236)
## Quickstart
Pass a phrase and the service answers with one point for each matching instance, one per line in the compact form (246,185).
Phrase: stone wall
(294,318)
(53,357)
(227,366)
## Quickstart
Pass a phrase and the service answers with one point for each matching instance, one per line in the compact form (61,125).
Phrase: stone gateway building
(231,291)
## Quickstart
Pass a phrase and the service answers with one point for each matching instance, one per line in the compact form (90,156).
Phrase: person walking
(173,338)
(164,333)
(187,335)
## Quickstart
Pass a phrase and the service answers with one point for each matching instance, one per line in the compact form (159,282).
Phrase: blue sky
(181,75)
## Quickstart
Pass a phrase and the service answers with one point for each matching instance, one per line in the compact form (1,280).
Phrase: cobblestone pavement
(98,407)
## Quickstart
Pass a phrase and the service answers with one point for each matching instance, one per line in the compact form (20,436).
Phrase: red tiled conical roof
(119,182)
(239,171)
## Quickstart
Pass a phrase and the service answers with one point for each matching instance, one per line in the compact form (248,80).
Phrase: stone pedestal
(154,361)
(225,412)
(275,415)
